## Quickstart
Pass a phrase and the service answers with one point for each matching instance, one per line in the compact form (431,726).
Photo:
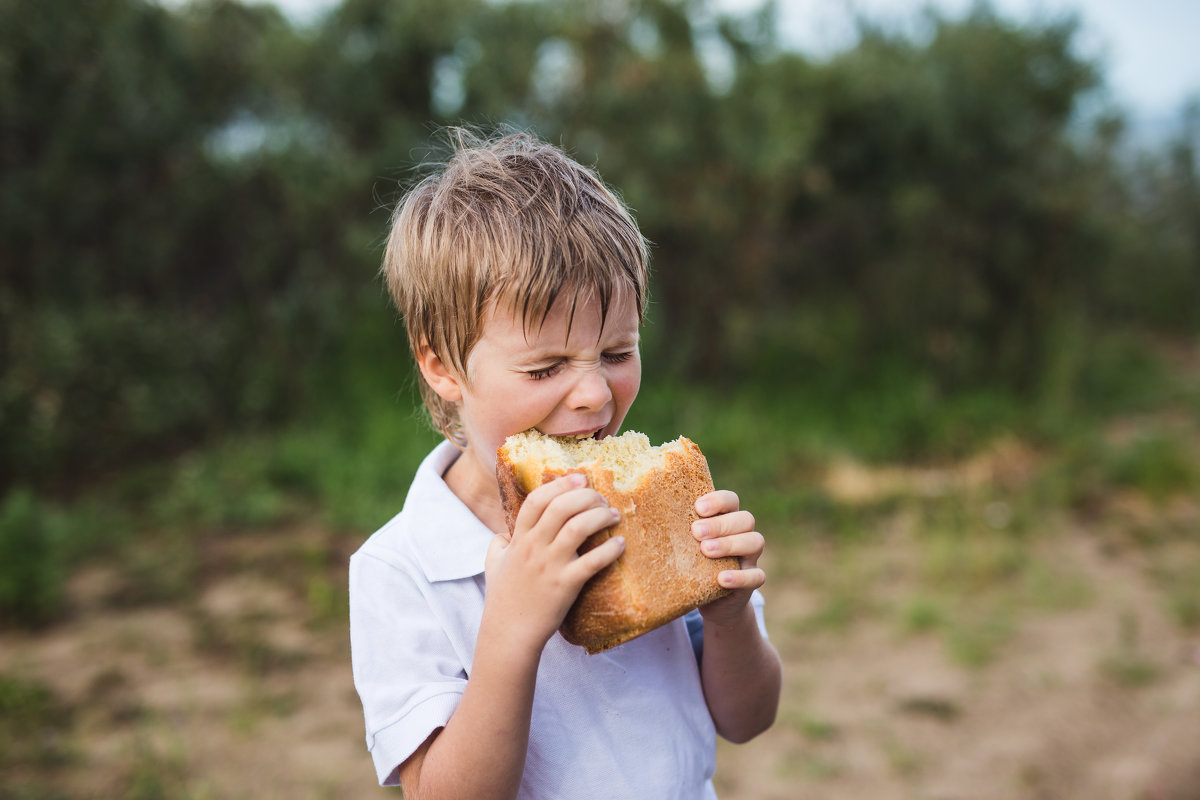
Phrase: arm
(739,669)
(532,580)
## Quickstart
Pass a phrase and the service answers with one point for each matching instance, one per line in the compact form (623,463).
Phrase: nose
(590,392)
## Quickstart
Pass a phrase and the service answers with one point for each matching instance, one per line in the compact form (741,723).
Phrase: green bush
(1157,464)
(195,194)
(31,561)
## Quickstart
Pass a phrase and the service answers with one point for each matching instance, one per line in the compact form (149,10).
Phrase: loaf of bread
(662,574)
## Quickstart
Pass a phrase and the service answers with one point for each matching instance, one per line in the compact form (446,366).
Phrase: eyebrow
(536,353)
(625,341)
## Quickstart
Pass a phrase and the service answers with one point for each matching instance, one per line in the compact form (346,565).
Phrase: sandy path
(238,693)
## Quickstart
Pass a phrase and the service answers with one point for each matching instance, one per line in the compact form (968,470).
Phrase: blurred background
(925,289)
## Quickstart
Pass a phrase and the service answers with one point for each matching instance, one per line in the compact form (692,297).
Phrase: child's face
(562,383)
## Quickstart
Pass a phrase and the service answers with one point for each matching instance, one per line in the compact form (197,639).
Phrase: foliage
(193,199)
(154,286)
(34,733)
(32,724)
(31,561)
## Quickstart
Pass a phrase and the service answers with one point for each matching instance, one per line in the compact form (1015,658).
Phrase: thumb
(495,551)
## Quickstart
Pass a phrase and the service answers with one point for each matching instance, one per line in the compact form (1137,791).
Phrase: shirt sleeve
(406,670)
(695,624)
(757,602)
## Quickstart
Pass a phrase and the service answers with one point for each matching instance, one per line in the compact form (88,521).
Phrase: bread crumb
(627,457)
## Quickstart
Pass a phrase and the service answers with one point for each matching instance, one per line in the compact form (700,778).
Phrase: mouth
(589,433)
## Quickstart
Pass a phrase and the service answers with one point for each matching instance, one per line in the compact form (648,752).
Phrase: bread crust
(662,573)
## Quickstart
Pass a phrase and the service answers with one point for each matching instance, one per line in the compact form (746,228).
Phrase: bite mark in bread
(662,574)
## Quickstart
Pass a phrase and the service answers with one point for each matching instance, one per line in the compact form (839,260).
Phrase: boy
(522,283)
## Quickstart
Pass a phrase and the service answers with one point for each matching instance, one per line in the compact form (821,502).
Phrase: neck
(479,492)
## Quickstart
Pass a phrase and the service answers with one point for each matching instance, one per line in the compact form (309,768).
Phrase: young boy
(522,283)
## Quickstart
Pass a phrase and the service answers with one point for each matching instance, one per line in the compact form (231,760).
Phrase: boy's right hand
(534,576)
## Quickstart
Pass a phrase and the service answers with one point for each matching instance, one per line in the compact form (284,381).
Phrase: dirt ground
(873,714)
(243,691)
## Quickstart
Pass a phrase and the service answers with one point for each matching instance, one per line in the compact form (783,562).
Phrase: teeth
(582,436)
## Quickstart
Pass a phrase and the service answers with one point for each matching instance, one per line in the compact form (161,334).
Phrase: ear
(440,376)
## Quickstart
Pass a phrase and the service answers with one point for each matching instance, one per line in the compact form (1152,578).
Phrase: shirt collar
(451,542)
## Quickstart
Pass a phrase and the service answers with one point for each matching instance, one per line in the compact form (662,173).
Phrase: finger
(550,495)
(596,559)
(723,525)
(746,546)
(721,501)
(751,578)
(576,530)
(536,501)
(557,518)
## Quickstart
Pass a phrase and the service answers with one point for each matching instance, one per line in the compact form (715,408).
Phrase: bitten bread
(662,574)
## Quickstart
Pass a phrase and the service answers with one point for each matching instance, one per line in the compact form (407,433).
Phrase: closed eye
(551,370)
(545,372)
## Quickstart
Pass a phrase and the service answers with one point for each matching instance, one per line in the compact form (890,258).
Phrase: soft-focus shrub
(31,568)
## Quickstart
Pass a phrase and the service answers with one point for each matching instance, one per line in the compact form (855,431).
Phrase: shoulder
(421,508)
(434,537)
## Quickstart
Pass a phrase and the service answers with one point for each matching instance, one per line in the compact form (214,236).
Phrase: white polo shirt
(627,723)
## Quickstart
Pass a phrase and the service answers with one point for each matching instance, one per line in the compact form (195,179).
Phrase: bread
(662,574)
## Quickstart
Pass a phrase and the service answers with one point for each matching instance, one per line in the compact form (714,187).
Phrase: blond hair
(510,219)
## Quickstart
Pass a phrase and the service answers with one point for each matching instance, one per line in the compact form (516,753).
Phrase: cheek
(626,384)
(527,402)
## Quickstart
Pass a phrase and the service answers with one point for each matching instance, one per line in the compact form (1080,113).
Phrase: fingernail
(702,507)
(710,546)
(699,530)
(615,514)
(578,479)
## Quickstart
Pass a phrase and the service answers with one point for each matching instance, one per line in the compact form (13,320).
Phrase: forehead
(575,316)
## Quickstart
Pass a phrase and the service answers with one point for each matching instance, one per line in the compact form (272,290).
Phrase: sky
(1148,47)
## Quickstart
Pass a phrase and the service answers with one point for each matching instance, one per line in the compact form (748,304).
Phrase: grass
(966,561)
(817,729)
(31,560)
(346,467)
(1055,586)
(973,639)
(261,704)
(1127,665)
(962,568)
(158,770)
(1181,583)
(35,725)
(923,614)
(1155,463)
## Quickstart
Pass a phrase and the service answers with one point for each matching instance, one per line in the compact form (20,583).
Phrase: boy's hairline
(532,320)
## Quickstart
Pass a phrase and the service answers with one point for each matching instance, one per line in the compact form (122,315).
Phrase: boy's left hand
(724,529)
